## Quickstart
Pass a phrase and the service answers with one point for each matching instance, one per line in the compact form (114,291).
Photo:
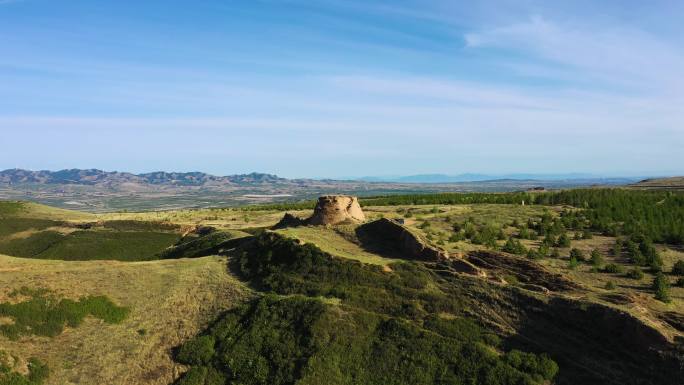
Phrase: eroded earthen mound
(389,236)
(334,209)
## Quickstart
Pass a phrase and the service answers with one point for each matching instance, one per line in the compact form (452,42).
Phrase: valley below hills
(94,190)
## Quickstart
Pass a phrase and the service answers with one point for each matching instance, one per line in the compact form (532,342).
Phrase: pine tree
(661,286)
(563,241)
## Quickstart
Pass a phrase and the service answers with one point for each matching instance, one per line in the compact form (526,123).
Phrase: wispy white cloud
(617,53)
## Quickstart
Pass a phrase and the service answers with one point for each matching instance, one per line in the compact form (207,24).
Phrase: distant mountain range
(102,191)
(94,177)
(460,178)
(99,177)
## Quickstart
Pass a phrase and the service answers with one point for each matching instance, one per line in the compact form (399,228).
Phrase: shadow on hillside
(596,345)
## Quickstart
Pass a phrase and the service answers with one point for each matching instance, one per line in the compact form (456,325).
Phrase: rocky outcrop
(329,210)
(334,209)
(398,240)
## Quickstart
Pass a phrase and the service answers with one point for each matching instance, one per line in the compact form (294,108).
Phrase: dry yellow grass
(170,302)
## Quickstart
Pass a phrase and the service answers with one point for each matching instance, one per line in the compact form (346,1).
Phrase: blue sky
(343,88)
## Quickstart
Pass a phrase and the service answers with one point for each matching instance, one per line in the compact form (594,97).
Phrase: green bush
(613,268)
(635,273)
(456,237)
(563,241)
(678,268)
(38,371)
(202,375)
(577,254)
(596,258)
(610,285)
(661,286)
(514,246)
(197,351)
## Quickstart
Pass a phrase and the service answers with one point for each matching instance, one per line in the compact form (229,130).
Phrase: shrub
(543,250)
(661,286)
(549,240)
(38,371)
(514,246)
(577,254)
(610,285)
(635,273)
(202,375)
(678,268)
(197,351)
(456,237)
(573,263)
(613,268)
(563,241)
(596,258)
(617,248)
(680,282)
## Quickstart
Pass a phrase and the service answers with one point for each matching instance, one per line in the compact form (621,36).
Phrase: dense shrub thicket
(286,340)
(44,315)
(278,264)
(387,329)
